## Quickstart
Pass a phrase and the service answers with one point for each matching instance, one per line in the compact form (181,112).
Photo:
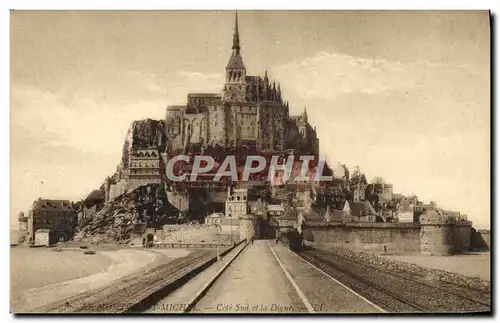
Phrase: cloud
(328,75)
(331,74)
(62,146)
(99,125)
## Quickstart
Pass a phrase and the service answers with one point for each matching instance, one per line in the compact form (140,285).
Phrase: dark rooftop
(46,204)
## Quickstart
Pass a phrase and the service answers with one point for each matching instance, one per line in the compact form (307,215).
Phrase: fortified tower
(436,234)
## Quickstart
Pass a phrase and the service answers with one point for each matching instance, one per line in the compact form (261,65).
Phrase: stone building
(286,223)
(331,195)
(23,222)
(405,212)
(144,167)
(236,203)
(56,215)
(359,211)
(229,224)
(214,219)
(250,110)
(275,210)
(359,191)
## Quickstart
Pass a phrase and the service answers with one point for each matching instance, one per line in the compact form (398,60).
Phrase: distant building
(45,237)
(144,167)
(397,197)
(334,215)
(286,222)
(56,215)
(405,212)
(23,222)
(359,191)
(250,110)
(275,210)
(214,219)
(259,209)
(236,203)
(360,211)
(229,224)
(330,195)
(418,208)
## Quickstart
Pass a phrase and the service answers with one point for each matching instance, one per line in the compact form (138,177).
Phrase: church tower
(303,122)
(235,87)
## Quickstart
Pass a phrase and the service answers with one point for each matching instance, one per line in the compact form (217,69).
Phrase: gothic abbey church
(249,111)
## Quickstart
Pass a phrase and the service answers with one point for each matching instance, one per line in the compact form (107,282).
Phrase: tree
(346,172)
(356,175)
(378,180)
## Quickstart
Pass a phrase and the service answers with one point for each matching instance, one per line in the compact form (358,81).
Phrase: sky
(404,95)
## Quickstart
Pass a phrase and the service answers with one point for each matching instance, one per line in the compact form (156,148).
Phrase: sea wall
(394,238)
(198,233)
(375,237)
(480,239)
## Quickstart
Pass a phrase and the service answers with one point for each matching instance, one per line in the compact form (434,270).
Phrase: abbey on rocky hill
(249,111)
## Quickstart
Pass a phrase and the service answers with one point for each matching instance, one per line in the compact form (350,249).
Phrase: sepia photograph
(250,162)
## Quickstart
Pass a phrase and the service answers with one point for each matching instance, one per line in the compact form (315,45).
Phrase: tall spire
(236,36)
(235,64)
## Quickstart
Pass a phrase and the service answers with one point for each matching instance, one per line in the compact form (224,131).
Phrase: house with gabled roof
(359,211)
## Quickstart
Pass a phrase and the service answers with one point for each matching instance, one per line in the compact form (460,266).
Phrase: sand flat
(473,264)
(102,269)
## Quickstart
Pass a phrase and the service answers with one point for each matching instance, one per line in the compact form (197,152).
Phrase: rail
(135,293)
(393,291)
(190,245)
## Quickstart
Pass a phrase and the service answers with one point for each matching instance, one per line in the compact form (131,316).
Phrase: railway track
(199,295)
(206,299)
(136,291)
(393,292)
(471,294)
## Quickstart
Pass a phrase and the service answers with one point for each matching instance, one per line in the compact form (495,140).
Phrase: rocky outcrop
(144,134)
(116,221)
